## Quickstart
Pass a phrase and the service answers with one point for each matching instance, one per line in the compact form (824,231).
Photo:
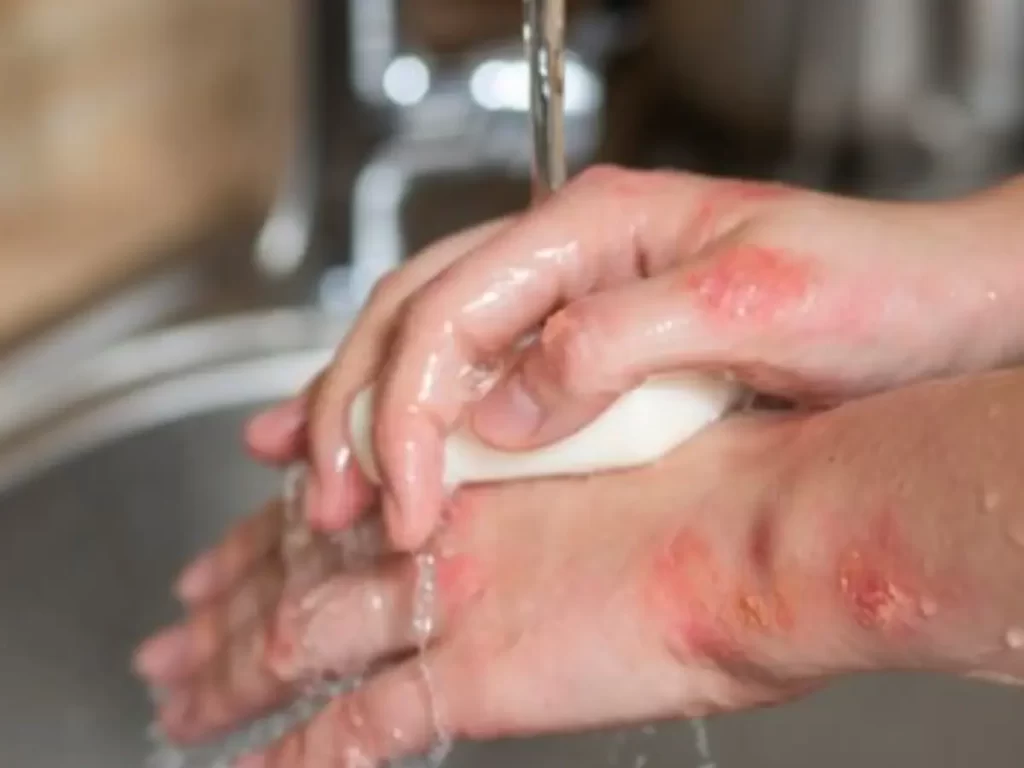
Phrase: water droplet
(1015,638)
(990,500)
(376,602)
(649,730)
(928,607)
(991,296)
(640,762)
(995,411)
(341,458)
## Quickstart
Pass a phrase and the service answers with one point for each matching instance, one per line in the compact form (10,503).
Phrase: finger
(391,716)
(178,652)
(341,491)
(237,686)
(249,542)
(278,434)
(604,229)
(602,345)
(348,623)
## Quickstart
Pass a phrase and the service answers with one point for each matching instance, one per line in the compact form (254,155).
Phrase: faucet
(466,118)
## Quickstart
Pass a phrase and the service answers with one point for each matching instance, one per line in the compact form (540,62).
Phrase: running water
(258,734)
(702,742)
(424,610)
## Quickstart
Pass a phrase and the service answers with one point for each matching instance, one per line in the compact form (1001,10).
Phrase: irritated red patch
(765,612)
(750,283)
(686,577)
(710,613)
(878,579)
(459,579)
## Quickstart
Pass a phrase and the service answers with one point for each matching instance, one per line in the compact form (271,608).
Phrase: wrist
(868,600)
(989,237)
(897,519)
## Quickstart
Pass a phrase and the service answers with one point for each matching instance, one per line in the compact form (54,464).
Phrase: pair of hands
(685,571)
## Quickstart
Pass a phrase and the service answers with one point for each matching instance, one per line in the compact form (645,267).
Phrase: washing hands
(877,525)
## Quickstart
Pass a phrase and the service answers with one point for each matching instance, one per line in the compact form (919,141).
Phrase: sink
(128,464)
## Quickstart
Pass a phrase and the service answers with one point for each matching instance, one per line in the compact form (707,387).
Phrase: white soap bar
(641,426)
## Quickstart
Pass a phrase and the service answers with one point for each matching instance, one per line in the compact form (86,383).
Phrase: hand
(561,605)
(337,491)
(807,296)
(759,560)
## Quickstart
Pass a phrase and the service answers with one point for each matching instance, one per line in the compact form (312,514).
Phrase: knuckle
(384,291)
(602,178)
(612,181)
(424,320)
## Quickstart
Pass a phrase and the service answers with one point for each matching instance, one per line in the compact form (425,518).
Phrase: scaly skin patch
(686,577)
(878,580)
(751,284)
(710,613)
(711,616)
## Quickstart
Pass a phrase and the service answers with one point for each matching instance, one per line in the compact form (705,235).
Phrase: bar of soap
(640,427)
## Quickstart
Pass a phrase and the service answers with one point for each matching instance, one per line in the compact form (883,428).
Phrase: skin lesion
(751,283)
(714,612)
(880,584)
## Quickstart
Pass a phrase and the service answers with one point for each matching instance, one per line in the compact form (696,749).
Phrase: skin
(806,296)
(762,559)
(793,554)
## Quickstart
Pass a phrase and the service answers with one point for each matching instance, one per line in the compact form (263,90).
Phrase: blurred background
(195,195)
(128,127)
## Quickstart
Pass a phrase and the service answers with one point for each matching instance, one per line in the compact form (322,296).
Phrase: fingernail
(278,424)
(197,581)
(509,412)
(284,418)
(161,655)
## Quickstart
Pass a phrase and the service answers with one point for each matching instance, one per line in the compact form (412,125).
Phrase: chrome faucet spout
(544,39)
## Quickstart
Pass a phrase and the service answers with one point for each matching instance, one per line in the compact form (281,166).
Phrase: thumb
(601,345)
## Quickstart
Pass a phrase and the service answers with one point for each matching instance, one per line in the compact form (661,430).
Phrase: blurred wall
(132,104)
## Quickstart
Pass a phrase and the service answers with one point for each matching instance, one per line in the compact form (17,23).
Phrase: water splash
(423,620)
(703,742)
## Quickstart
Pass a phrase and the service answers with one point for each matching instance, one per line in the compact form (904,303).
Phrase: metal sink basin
(131,463)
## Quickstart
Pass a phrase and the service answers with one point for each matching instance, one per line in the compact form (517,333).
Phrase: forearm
(906,524)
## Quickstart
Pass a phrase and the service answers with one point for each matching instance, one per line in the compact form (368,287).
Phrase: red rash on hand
(459,579)
(707,614)
(879,582)
(750,283)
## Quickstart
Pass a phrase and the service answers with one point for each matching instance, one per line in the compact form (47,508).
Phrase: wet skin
(760,560)
(626,273)
(752,565)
